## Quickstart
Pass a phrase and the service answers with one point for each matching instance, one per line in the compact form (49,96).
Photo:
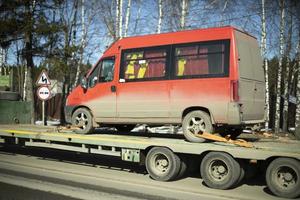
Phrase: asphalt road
(52,174)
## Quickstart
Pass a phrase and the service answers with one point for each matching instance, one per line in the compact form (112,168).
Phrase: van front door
(101,94)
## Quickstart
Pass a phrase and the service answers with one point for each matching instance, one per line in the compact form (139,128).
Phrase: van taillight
(235,91)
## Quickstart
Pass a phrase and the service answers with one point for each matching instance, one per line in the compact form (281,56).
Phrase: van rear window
(202,60)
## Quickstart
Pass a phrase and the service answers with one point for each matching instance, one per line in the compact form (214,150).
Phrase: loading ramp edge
(49,140)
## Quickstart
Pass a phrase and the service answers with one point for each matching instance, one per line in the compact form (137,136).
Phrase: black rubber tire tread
(297,133)
(89,128)
(208,125)
(7,95)
(174,162)
(271,175)
(234,170)
(125,127)
(242,174)
(183,167)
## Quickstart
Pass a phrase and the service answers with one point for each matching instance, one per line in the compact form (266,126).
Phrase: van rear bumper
(234,116)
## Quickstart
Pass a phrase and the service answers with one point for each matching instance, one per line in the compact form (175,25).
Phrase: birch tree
(279,74)
(83,42)
(120,18)
(160,16)
(183,14)
(297,120)
(127,18)
(287,71)
(264,52)
(117,20)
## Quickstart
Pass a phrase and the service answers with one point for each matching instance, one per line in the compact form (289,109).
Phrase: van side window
(107,70)
(144,64)
(93,77)
(202,60)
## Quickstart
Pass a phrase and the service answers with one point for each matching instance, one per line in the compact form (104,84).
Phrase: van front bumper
(68,113)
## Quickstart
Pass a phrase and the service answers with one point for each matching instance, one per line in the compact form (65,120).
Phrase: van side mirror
(83,83)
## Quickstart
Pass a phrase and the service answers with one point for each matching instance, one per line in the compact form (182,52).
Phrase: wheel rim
(81,120)
(196,125)
(160,164)
(286,177)
(218,170)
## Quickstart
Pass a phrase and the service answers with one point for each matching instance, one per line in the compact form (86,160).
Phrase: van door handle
(113,88)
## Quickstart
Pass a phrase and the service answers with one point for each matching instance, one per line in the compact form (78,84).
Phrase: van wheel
(220,170)
(283,177)
(162,164)
(83,120)
(196,122)
(125,128)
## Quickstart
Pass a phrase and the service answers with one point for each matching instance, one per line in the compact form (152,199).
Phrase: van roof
(185,36)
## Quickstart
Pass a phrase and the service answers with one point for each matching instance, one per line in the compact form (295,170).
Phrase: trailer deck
(112,143)
(167,156)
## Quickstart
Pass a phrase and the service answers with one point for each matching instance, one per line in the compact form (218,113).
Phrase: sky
(243,14)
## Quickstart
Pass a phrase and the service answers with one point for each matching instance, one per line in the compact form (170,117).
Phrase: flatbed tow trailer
(222,165)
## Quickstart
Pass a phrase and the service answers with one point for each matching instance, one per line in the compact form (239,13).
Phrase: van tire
(188,121)
(83,120)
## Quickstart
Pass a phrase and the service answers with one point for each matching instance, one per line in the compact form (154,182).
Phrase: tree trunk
(278,93)
(160,15)
(121,19)
(117,18)
(264,52)
(183,14)
(137,17)
(83,38)
(287,73)
(297,121)
(29,61)
(127,18)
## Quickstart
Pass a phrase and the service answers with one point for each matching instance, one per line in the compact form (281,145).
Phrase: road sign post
(43,92)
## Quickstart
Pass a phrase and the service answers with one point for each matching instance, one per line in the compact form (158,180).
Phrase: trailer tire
(196,121)
(83,119)
(220,170)
(283,177)
(183,167)
(162,164)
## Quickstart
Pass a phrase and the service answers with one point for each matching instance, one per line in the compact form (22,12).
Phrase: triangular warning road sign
(43,79)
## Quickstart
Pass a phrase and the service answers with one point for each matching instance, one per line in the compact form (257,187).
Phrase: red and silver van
(201,79)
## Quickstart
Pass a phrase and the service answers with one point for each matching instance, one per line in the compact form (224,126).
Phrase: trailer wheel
(162,164)
(82,118)
(183,167)
(125,127)
(196,122)
(220,170)
(283,177)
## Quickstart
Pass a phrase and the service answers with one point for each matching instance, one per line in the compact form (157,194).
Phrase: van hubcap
(196,125)
(81,120)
